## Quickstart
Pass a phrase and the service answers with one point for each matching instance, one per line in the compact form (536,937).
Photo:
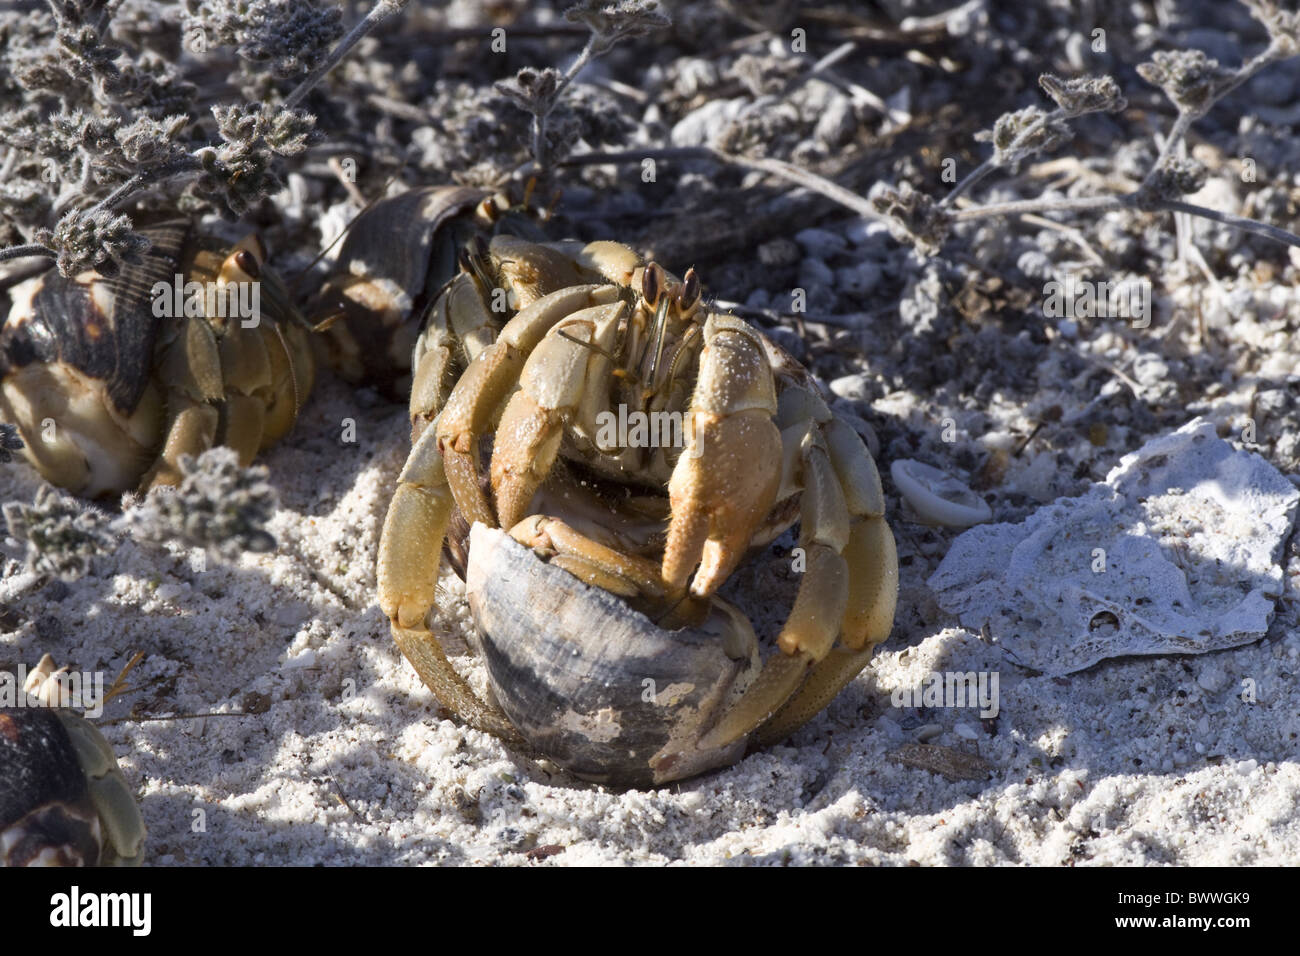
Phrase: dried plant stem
(787,171)
(992,163)
(380,12)
(1022,206)
(144,180)
(1186,118)
(541,155)
(1236,222)
(29,250)
(863,207)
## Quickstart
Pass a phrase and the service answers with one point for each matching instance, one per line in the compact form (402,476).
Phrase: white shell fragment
(937,497)
(1176,552)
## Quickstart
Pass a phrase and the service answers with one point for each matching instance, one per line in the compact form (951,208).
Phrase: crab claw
(726,480)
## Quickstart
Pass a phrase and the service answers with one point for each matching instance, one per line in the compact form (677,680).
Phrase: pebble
(1035,264)
(928,732)
(692,800)
(866,232)
(837,123)
(965,731)
(852,387)
(1211,678)
(821,243)
(815,274)
(1150,370)
(858,279)
(699,126)
(778,252)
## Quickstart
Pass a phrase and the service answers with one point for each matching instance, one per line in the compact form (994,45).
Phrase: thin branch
(143,180)
(807,179)
(620,157)
(30,250)
(377,15)
(1227,219)
(776,167)
(540,153)
(1022,206)
(1176,133)
(993,162)
(1186,118)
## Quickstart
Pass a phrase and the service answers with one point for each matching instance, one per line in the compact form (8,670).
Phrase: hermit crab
(110,380)
(593,554)
(63,799)
(393,262)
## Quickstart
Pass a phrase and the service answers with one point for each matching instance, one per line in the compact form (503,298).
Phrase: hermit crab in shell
(110,380)
(63,799)
(592,565)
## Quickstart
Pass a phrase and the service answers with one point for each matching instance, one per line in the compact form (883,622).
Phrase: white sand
(1154,760)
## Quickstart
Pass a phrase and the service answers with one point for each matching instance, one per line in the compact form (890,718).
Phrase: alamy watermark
(213,300)
(638,429)
(952,689)
(83,690)
(1077,298)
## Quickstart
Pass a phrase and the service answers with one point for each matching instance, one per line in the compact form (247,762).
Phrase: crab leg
(410,550)
(868,619)
(457,324)
(849,587)
(725,482)
(599,565)
(478,396)
(569,364)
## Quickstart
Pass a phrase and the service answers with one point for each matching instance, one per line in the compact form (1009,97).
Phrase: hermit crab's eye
(490,209)
(248,264)
(690,290)
(652,283)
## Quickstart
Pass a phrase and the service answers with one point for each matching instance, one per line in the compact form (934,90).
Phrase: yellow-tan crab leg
(569,365)
(814,621)
(459,323)
(868,619)
(410,550)
(590,561)
(112,796)
(872,561)
(191,371)
(245,372)
(293,374)
(725,481)
(478,397)
(849,587)
(529,271)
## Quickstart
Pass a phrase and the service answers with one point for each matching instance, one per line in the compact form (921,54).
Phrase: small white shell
(937,497)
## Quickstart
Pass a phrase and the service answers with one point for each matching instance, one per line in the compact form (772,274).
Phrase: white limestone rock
(1177,552)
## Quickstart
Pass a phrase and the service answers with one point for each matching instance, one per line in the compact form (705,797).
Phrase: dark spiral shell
(594,685)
